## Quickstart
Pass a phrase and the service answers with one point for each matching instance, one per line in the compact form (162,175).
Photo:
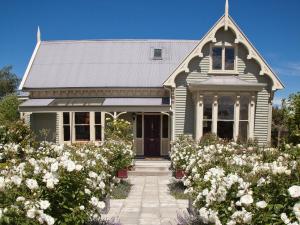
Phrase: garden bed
(177,188)
(121,190)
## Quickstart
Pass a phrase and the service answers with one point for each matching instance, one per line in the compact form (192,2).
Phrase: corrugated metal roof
(105,63)
(94,102)
(36,102)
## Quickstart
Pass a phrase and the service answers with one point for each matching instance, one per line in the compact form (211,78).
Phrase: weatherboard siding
(262,118)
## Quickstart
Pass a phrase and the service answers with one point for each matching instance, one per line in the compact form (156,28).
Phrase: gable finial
(38,35)
(226,14)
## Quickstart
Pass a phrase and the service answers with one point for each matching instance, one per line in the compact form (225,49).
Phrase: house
(219,84)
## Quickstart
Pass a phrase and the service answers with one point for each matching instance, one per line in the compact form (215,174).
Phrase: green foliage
(118,129)
(209,139)
(118,153)
(8,81)
(294,118)
(16,132)
(176,189)
(9,109)
(121,190)
(74,181)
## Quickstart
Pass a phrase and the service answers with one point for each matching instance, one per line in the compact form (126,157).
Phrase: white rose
(296,210)
(32,184)
(261,204)
(294,191)
(31,213)
(247,199)
(78,167)
(2,183)
(44,204)
(284,218)
(81,207)
(16,180)
(54,167)
(20,199)
(71,166)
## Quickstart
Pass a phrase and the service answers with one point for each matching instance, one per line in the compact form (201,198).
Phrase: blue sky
(271,25)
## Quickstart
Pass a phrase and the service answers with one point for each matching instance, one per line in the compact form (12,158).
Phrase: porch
(84,120)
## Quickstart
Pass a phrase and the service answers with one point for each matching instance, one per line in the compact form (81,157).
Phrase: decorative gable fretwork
(223,23)
(122,92)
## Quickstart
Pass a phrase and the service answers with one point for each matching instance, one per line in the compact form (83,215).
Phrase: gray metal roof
(105,63)
(94,102)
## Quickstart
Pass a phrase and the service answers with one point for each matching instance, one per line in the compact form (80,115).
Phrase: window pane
(66,118)
(97,117)
(139,126)
(207,127)
(82,133)
(207,111)
(229,58)
(98,132)
(82,118)
(157,53)
(244,104)
(243,131)
(66,133)
(217,58)
(165,126)
(225,108)
(225,129)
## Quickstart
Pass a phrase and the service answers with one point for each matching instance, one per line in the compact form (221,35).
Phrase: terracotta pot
(123,173)
(179,174)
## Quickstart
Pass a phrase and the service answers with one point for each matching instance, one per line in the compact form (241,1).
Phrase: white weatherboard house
(219,84)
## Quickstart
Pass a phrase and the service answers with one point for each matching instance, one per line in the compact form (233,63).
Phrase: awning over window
(100,104)
(226,83)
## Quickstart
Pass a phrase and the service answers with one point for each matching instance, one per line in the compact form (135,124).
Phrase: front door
(152,135)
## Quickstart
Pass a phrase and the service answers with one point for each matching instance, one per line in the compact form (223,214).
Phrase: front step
(151,168)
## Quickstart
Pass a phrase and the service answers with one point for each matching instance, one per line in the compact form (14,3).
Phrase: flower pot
(179,174)
(122,173)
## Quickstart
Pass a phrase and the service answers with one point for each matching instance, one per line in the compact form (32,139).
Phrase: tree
(8,81)
(279,123)
(294,118)
(9,109)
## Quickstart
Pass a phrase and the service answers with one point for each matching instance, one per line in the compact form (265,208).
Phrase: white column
(198,117)
(72,125)
(251,117)
(215,115)
(103,121)
(236,118)
(173,116)
(92,127)
(60,128)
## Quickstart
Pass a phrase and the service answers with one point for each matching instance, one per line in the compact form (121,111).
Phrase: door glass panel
(165,126)
(244,105)
(139,126)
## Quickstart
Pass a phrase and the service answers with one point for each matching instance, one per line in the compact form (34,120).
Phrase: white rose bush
(55,184)
(233,184)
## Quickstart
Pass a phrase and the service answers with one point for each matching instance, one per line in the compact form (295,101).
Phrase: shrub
(9,109)
(182,150)
(118,153)
(118,129)
(233,184)
(16,132)
(55,184)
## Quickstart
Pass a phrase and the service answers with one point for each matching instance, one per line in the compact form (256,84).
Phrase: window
(82,126)
(165,126)
(207,114)
(66,126)
(98,126)
(139,126)
(217,58)
(225,117)
(157,53)
(223,58)
(244,124)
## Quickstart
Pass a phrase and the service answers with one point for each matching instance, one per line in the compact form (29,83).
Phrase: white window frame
(223,45)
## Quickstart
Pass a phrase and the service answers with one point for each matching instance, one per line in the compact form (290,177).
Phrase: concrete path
(149,202)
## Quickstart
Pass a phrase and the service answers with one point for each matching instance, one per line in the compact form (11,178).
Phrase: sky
(271,25)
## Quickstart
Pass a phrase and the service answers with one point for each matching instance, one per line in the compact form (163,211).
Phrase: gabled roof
(226,22)
(103,63)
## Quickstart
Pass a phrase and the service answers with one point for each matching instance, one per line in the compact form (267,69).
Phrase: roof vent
(157,53)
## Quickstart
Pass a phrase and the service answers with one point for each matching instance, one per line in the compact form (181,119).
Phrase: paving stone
(149,202)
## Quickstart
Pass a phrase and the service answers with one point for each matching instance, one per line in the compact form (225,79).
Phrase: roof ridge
(119,40)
